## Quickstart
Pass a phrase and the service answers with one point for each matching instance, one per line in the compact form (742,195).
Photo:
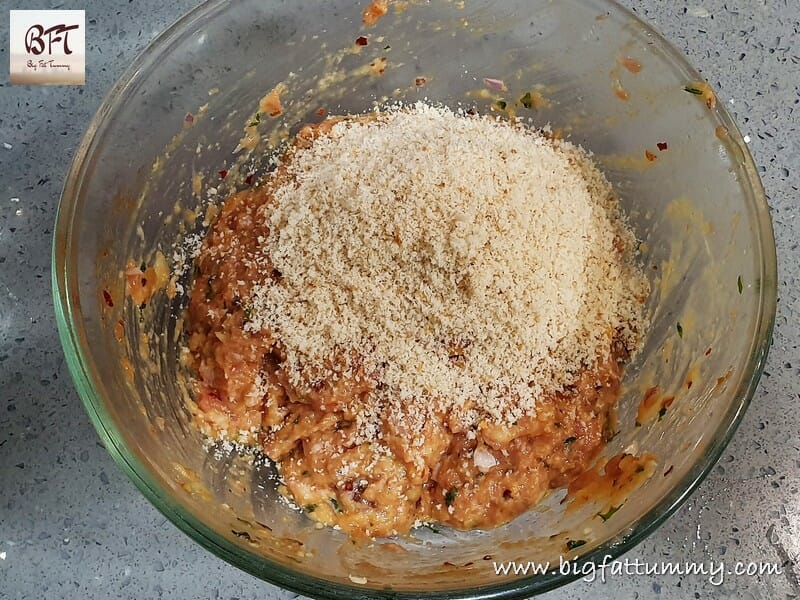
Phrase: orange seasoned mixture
(420,316)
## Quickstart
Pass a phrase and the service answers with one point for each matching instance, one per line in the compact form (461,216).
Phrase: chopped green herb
(336,506)
(310,508)
(143,267)
(256,120)
(572,544)
(526,100)
(450,496)
(740,284)
(693,90)
(387,47)
(501,104)
(679,327)
(431,527)
(662,412)
(608,514)
(248,313)
(569,440)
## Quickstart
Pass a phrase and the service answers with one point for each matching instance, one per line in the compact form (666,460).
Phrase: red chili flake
(223,174)
(361,41)
(662,146)
(689,384)
(420,81)
(320,112)
(189,118)
(249,179)
(144,281)
(649,155)
(668,471)
(708,351)
(109,300)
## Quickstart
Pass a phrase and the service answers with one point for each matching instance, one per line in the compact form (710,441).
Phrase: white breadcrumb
(465,264)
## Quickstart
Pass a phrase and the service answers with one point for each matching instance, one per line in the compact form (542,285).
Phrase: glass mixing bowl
(151,159)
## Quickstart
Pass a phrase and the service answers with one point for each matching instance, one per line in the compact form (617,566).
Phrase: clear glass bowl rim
(64,285)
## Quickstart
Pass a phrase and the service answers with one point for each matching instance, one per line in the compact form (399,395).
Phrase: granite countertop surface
(73,526)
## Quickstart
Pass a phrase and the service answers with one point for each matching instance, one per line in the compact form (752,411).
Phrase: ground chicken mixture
(420,316)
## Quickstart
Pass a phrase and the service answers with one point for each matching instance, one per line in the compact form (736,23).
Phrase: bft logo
(35,38)
(48,47)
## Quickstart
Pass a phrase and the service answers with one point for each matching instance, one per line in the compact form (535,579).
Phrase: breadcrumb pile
(463,264)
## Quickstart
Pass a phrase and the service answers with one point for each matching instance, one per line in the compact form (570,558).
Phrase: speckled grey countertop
(73,526)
